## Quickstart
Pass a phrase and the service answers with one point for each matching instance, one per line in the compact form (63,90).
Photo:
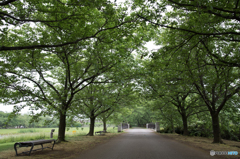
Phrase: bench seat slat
(33,143)
(36,142)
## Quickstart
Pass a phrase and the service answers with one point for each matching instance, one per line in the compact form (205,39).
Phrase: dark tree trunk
(62,126)
(92,123)
(104,125)
(173,129)
(185,124)
(172,124)
(216,128)
(138,123)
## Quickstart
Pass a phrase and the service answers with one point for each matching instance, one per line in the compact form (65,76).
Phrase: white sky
(9,108)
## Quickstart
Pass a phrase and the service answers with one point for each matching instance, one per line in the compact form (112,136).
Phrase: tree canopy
(70,57)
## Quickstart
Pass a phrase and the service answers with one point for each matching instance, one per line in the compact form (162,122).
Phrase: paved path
(144,144)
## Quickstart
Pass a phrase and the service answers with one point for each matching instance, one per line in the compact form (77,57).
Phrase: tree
(120,113)
(105,117)
(187,104)
(141,116)
(188,57)
(59,75)
(169,116)
(216,85)
(3,119)
(68,17)
(212,20)
(123,114)
(62,71)
(98,100)
(167,83)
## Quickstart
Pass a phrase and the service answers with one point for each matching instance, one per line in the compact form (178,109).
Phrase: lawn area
(27,134)
(78,141)
(46,130)
(6,146)
(75,146)
(24,130)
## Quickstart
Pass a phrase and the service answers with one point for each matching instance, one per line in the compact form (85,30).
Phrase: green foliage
(67,58)
(27,131)
(67,52)
(26,121)
(24,138)
(194,60)
(77,125)
(6,146)
(44,134)
(201,129)
(230,132)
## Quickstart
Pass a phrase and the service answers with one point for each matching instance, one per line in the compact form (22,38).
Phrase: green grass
(19,135)
(6,146)
(26,137)
(45,130)
(25,130)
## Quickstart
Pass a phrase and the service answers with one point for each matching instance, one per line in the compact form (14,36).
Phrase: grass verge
(42,133)
(68,150)
(206,144)
(6,146)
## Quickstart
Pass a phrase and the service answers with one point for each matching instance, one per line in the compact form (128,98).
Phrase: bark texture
(216,128)
(62,126)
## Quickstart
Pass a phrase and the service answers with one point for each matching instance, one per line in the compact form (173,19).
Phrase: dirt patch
(68,150)
(206,144)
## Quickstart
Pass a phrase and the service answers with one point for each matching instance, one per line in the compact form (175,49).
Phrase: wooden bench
(32,144)
(100,132)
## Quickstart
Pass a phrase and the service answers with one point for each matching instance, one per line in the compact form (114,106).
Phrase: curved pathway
(141,143)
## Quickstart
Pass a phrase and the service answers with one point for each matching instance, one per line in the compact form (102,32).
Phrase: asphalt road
(144,144)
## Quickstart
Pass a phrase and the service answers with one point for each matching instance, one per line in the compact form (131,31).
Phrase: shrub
(230,132)
(77,125)
(167,130)
(179,130)
(200,129)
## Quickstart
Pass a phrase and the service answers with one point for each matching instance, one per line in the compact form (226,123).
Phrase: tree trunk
(62,126)
(104,125)
(138,123)
(172,124)
(216,128)
(185,124)
(91,129)
(173,128)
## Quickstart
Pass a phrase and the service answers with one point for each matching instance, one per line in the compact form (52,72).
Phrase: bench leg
(53,144)
(15,147)
(31,150)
